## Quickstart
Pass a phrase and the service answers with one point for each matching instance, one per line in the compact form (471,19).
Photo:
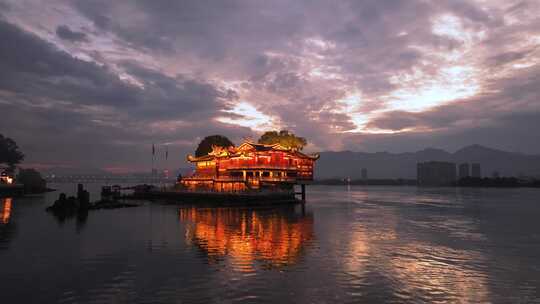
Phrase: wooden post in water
(303,192)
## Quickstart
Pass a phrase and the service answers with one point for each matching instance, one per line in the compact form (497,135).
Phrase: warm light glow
(248,116)
(246,236)
(250,166)
(7,179)
(5,211)
(455,77)
(450,26)
(349,105)
(422,92)
(429,267)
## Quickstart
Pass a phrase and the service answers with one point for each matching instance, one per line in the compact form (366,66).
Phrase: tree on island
(9,152)
(205,146)
(32,180)
(284,138)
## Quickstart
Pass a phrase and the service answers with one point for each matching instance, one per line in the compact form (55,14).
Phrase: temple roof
(247,146)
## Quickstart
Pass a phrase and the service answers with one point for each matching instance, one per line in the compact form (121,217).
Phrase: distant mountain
(403,165)
(63,171)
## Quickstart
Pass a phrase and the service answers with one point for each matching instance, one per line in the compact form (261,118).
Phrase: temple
(250,166)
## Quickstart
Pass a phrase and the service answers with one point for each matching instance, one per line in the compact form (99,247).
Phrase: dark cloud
(508,57)
(499,119)
(165,97)
(60,107)
(64,32)
(163,71)
(37,68)
(4,7)
(510,132)
(97,11)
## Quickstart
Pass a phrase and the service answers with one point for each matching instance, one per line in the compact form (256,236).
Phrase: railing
(259,166)
(275,179)
(241,178)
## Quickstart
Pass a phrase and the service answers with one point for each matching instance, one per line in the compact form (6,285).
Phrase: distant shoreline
(501,182)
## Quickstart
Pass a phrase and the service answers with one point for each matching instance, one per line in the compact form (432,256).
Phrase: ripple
(369,245)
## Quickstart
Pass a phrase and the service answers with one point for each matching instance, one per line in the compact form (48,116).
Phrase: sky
(93,83)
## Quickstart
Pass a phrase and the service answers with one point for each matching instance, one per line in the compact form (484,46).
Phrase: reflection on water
(355,245)
(440,274)
(80,217)
(274,237)
(7,228)
(418,268)
(5,210)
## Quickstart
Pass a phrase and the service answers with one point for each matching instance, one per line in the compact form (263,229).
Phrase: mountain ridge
(336,164)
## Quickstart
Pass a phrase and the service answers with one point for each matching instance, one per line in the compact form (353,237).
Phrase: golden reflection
(440,270)
(273,237)
(440,273)
(5,211)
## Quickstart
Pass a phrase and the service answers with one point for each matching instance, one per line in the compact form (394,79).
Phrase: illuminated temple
(250,166)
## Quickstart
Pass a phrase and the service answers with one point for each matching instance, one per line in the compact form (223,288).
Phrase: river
(369,244)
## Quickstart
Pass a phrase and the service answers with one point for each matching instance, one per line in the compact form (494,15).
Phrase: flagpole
(153,154)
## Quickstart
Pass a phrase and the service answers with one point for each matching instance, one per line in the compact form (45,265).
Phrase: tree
(284,138)
(9,152)
(32,181)
(205,146)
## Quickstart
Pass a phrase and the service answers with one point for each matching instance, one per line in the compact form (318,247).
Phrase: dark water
(366,244)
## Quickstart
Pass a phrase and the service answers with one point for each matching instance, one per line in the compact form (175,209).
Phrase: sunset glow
(246,115)
(124,74)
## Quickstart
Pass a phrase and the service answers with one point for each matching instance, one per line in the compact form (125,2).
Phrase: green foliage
(205,146)
(284,138)
(9,152)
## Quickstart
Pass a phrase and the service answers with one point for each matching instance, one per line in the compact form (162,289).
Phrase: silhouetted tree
(31,180)
(284,138)
(205,146)
(9,152)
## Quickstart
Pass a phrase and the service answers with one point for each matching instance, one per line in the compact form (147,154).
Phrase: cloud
(51,99)
(64,32)
(498,119)
(341,74)
(4,7)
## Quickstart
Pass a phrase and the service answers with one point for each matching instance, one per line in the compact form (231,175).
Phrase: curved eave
(193,159)
(311,156)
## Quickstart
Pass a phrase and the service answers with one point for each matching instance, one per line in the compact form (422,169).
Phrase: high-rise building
(435,173)
(464,170)
(476,172)
(364,173)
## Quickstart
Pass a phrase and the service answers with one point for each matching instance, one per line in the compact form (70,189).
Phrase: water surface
(357,244)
